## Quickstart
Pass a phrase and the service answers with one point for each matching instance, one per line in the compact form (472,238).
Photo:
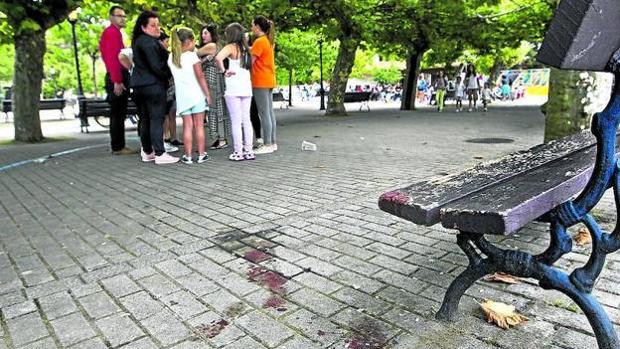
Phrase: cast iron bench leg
(523,264)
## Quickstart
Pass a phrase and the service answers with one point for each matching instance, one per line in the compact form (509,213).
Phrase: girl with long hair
(219,120)
(238,93)
(473,86)
(264,80)
(191,91)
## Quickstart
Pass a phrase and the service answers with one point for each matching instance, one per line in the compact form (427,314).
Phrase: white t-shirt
(186,87)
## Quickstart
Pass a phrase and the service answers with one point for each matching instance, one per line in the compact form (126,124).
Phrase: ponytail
(267,27)
(179,36)
(271,34)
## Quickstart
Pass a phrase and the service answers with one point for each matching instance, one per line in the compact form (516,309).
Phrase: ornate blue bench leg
(578,285)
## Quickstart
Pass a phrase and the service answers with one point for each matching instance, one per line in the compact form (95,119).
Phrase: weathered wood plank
(510,205)
(583,35)
(421,202)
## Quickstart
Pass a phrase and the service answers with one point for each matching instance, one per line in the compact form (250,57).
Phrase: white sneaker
(169,148)
(187,159)
(259,141)
(275,147)
(265,149)
(165,158)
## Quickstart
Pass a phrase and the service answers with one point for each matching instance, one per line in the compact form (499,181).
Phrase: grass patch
(45,140)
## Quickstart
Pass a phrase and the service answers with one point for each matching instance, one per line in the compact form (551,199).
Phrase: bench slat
(421,202)
(510,205)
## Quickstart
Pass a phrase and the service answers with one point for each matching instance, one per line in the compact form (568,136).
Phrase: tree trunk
(410,84)
(29,52)
(565,112)
(290,87)
(340,75)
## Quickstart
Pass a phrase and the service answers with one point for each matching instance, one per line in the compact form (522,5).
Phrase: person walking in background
(219,120)
(149,79)
(459,93)
(116,79)
(191,91)
(440,90)
(264,80)
(473,86)
(238,93)
(487,95)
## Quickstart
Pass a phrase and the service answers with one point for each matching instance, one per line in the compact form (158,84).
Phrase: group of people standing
(467,86)
(197,83)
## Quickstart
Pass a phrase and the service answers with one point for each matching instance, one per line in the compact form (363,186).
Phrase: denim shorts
(198,108)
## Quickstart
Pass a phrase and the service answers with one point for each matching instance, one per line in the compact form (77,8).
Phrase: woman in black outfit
(149,81)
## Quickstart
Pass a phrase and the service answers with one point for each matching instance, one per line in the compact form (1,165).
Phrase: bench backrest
(356,96)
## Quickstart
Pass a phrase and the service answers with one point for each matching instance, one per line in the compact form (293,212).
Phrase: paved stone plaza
(289,251)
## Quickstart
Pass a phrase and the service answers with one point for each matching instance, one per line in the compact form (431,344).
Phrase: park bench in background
(100,110)
(44,104)
(502,196)
(279,97)
(358,97)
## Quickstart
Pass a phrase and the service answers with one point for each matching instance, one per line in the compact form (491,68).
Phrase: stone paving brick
(165,328)
(410,284)
(394,264)
(267,330)
(95,343)
(46,343)
(119,329)
(120,285)
(144,343)
(315,327)
(19,309)
(11,298)
(158,285)
(358,281)
(173,269)
(99,305)
(141,305)
(299,342)
(318,266)
(316,302)
(57,305)
(197,284)
(317,282)
(244,343)
(221,300)
(183,304)
(361,301)
(26,328)
(356,265)
(72,329)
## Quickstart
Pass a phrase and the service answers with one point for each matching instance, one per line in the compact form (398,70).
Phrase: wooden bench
(44,104)
(558,183)
(279,97)
(358,97)
(99,108)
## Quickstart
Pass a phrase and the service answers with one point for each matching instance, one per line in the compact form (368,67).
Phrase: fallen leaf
(503,315)
(478,157)
(502,277)
(583,237)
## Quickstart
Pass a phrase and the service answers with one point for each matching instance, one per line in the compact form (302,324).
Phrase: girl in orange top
(264,80)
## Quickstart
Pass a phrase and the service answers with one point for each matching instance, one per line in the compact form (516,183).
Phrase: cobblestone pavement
(288,251)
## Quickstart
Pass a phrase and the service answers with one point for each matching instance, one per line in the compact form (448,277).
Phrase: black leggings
(151,104)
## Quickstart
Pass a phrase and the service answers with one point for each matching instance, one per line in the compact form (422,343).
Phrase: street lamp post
(73,20)
(322,90)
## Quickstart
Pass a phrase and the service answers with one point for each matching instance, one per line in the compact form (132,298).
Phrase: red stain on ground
(357,343)
(276,303)
(213,329)
(256,256)
(273,281)
(395,196)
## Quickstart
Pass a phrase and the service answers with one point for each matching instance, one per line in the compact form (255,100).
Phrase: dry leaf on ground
(583,237)
(502,277)
(503,315)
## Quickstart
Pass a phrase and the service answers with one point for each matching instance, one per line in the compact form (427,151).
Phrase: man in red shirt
(116,79)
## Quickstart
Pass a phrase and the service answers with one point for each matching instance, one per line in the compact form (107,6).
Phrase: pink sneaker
(147,157)
(165,158)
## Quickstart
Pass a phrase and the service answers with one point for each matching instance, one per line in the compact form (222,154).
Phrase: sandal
(215,144)
(249,155)
(236,157)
